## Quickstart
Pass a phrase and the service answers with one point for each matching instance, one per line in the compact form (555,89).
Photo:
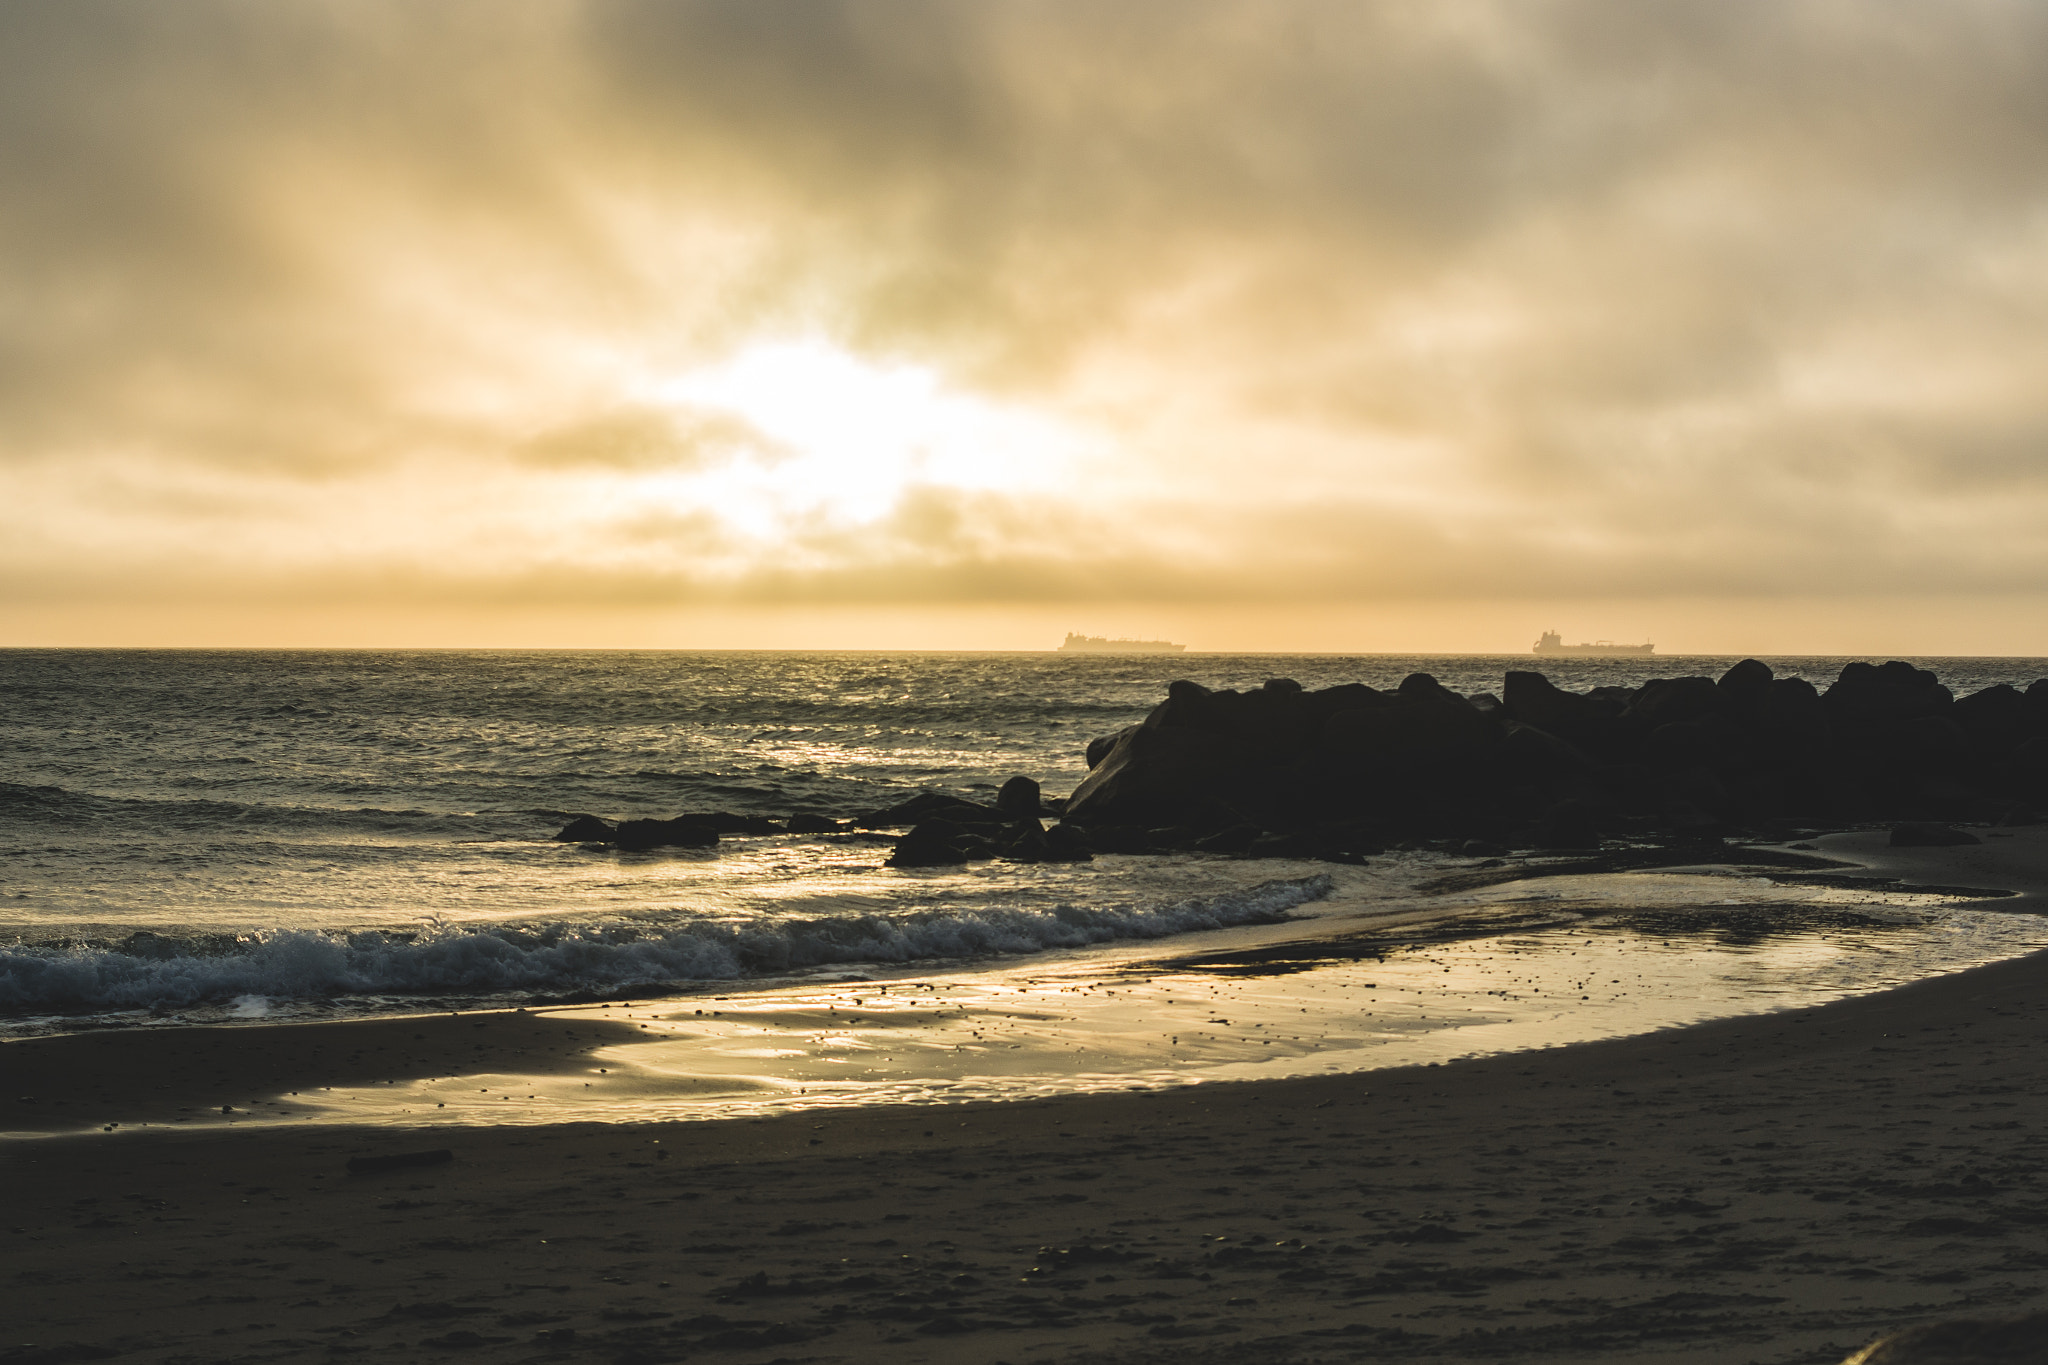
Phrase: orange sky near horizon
(1259,324)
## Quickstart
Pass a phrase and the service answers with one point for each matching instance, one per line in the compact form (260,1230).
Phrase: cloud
(1359,301)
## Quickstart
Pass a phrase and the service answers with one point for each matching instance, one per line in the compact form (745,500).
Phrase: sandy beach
(1780,1187)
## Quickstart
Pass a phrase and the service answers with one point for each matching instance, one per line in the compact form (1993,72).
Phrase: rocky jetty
(1341,771)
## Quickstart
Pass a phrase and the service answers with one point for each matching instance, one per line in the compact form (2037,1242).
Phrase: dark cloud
(1469,298)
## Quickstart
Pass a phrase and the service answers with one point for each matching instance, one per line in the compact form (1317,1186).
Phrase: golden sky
(1265,324)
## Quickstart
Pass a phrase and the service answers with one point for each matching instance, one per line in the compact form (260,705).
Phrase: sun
(845,439)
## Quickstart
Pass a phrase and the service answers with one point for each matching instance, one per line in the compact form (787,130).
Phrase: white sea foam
(562,956)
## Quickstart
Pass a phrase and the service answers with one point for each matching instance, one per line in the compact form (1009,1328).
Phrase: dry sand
(1774,1188)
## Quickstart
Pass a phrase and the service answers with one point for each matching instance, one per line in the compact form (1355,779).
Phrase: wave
(150,971)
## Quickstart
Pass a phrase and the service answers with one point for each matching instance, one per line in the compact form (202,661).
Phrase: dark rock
(929,805)
(1066,843)
(1746,685)
(813,824)
(1920,743)
(1670,701)
(1533,699)
(1568,825)
(1019,799)
(1234,840)
(2019,1341)
(1997,720)
(1115,838)
(725,822)
(1098,748)
(1864,695)
(930,843)
(1023,842)
(586,829)
(1432,735)
(1284,846)
(1922,834)
(1425,687)
(638,836)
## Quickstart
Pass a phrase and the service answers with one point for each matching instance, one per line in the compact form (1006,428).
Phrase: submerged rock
(586,829)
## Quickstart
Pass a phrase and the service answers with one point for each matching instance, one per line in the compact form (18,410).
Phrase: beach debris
(370,1165)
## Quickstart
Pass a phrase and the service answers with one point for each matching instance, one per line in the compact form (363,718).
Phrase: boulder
(1923,834)
(586,829)
(1533,699)
(1672,701)
(1866,695)
(1019,799)
(1099,747)
(1435,734)
(1065,843)
(930,843)
(813,824)
(1996,719)
(725,822)
(1744,687)
(931,805)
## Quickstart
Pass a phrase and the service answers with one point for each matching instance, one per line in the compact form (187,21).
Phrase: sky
(1326,325)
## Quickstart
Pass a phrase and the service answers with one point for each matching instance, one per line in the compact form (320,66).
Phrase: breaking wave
(151,971)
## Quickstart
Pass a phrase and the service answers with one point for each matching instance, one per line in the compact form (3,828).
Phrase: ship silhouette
(1097,644)
(1553,643)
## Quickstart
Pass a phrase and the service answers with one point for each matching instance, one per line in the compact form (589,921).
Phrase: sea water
(197,835)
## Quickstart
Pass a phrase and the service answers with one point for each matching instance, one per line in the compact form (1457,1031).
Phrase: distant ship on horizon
(1553,643)
(1098,644)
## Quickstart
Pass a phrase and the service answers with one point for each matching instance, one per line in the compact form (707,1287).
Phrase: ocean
(201,835)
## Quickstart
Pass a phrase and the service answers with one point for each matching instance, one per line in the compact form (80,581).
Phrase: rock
(1997,720)
(1920,743)
(1923,834)
(929,805)
(1670,701)
(1532,699)
(1568,825)
(725,822)
(2018,1341)
(638,836)
(1019,799)
(1065,843)
(1023,842)
(1745,686)
(1284,846)
(1434,735)
(586,829)
(930,843)
(1864,695)
(1114,838)
(1098,748)
(813,824)
(1234,840)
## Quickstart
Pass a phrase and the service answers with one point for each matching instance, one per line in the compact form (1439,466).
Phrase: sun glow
(843,441)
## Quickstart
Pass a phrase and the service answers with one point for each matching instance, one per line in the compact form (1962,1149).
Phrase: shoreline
(1474,965)
(1774,1188)
(1771,1187)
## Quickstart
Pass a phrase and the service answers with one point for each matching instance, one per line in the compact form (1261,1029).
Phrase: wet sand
(1774,1188)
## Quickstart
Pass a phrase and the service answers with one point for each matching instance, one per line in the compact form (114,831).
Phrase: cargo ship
(1097,644)
(1553,643)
